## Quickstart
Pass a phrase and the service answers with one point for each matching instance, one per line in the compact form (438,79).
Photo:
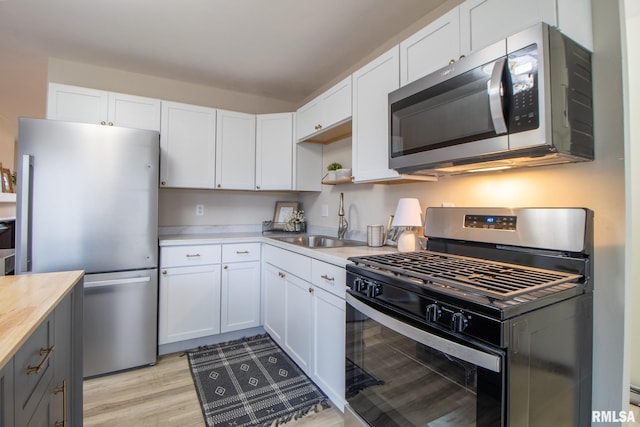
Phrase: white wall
(78,74)
(598,185)
(632,92)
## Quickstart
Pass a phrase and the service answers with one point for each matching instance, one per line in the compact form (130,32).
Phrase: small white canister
(375,235)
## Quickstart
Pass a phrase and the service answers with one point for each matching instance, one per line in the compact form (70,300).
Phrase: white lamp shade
(408,213)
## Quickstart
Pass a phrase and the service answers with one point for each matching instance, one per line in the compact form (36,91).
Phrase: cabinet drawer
(241,252)
(182,256)
(33,370)
(329,277)
(291,262)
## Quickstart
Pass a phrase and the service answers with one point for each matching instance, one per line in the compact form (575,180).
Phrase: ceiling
(284,49)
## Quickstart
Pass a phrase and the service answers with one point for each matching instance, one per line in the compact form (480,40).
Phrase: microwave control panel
(523,71)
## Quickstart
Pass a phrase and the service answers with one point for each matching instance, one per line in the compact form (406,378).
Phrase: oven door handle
(485,360)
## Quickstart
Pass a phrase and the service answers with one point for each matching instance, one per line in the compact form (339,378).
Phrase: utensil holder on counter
(375,235)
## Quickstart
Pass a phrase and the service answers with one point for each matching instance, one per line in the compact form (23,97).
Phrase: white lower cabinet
(189,303)
(328,324)
(304,312)
(208,289)
(273,301)
(297,318)
(240,293)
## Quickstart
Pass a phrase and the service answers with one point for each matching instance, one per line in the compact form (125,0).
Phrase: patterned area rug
(251,382)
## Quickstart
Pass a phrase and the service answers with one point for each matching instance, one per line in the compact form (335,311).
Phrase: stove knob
(373,290)
(433,313)
(357,284)
(458,322)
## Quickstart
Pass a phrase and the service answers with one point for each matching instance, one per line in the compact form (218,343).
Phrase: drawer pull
(326,277)
(46,352)
(281,274)
(193,255)
(310,290)
(242,252)
(62,390)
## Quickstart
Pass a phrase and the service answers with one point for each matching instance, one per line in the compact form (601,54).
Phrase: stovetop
(491,279)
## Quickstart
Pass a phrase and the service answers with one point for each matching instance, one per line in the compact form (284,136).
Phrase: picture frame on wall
(282,212)
(7,182)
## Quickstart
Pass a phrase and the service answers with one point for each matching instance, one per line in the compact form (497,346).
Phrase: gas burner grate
(492,279)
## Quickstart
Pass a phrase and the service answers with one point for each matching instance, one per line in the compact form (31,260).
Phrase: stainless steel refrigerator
(88,200)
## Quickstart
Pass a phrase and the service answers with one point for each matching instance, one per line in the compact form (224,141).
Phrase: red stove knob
(433,313)
(458,322)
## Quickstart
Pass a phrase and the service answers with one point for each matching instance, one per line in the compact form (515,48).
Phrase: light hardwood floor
(161,395)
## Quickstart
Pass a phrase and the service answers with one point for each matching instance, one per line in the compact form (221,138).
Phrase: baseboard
(177,347)
(635,395)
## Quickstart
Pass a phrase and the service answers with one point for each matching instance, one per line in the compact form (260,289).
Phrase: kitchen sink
(318,241)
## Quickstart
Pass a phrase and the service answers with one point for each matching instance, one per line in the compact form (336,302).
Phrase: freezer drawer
(120,321)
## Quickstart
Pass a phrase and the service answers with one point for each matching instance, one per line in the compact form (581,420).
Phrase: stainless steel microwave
(523,101)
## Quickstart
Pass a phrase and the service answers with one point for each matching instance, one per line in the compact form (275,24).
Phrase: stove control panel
(434,311)
(492,222)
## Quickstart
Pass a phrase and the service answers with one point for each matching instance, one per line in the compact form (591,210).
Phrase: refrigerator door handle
(25,213)
(111,282)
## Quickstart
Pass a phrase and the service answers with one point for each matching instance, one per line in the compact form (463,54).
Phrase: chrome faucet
(342,222)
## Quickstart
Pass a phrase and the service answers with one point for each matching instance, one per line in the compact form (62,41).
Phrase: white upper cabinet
(274,151)
(431,48)
(79,104)
(187,146)
(370,138)
(478,23)
(235,150)
(134,111)
(308,167)
(483,22)
(320,120)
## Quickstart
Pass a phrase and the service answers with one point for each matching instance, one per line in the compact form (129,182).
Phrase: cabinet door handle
(461,57)
(451,61)
(281,275)
(310,290)
(163,183)
(62,390)
(103,123)
(164,272)
(226,267)
(219,185)
(46,352)
(326,277)
(242,252)
(110,123)
(193,255)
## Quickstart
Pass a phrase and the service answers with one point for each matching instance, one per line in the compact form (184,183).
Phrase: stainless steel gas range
(490,326)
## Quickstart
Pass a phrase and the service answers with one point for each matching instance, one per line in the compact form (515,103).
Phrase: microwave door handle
(495,97)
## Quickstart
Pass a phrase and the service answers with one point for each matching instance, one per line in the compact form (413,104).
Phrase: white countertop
(336,256)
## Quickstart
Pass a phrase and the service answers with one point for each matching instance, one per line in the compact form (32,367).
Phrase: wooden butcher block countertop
(25,301)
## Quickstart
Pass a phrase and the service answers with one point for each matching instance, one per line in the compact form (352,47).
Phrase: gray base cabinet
(6,395)
(42,384)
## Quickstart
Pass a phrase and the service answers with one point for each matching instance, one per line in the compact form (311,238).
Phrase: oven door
(398,374)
